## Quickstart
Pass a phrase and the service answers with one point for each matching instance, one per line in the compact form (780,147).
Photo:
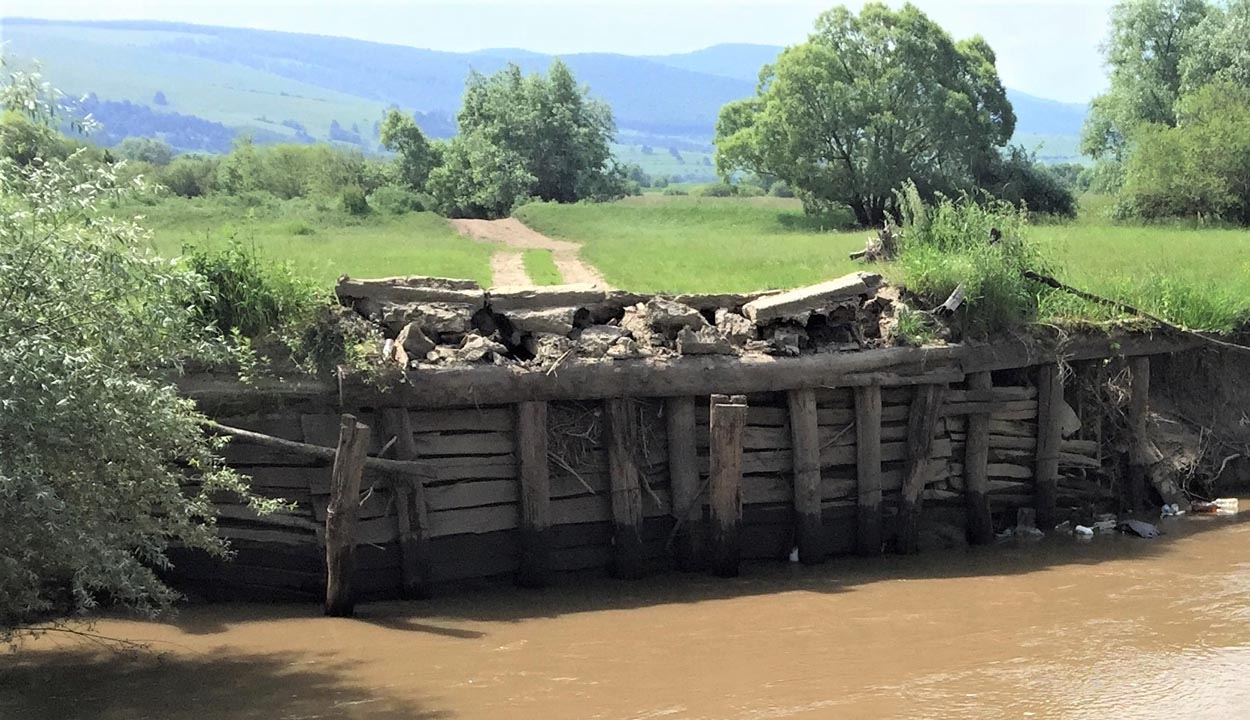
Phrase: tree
(97,444)
(148,150)
(1147,51)
(514,126)
(400,134)
(866,103)
(159,98)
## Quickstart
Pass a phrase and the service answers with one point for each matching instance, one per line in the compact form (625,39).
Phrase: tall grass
(540,265)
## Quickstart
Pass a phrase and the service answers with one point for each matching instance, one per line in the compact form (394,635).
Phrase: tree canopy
(868,102)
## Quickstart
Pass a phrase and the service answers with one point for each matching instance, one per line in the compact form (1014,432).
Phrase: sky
(1048,48)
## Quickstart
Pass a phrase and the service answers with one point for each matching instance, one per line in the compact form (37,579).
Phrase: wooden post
(535,479)
(976,468)
(1138,425)
(1049,438)
(922,421)
(726,422)
(410,510)
(804,433)
(349,465)
(868,468)
(683,474)
(625,482)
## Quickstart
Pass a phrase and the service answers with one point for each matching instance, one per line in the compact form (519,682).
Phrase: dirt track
(507,266)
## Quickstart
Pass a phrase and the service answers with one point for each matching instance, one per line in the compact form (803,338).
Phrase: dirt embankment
(508,268)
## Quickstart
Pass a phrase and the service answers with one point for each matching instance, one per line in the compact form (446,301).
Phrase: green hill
(294,87)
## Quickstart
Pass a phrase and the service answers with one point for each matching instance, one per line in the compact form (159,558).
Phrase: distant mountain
(295,87)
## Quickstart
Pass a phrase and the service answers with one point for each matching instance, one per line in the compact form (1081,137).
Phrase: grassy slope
(322,242)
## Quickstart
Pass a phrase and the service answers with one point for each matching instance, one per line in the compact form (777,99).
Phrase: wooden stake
(726,422)
(926,408)
(626,485)
(1049,439)
(535,478)
(683,473)
(410,509)
(349,465)
(868,468)
(1138,424)
(976,468)
(804,433)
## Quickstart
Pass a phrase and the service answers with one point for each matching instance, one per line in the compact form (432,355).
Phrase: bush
(674,190)
(781,189)
(1016,177)
(949,244)
(395,200)
(249,297)
(719,190)
(189,176)
(354,200)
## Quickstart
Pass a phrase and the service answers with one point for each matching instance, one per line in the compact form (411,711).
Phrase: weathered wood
(625,481)
(1003,410)
(806,447)
(868,469)
(422,470)
(1139,436)
(727,418)
(683,472)
(535,481)
(349,465)
(976,468)
(1049,438)
(925,413)
(411,511)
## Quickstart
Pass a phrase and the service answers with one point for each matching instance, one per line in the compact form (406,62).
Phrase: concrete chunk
(667,316)
(706,341)
(403,290)
(801,302)
(507,299)
(553,321)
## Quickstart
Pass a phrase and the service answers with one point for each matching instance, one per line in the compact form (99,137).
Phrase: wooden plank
(464,420)
(1002,393)
(349,465)
(487,443)
(535,491)
(412,523)
(976,468)
(1049,438)
(621,434)
(470,494)
(687,491)
(727,418)
(925,412)
(767,462)
(806,442)
(1007,410)
(868,469)
(474,521)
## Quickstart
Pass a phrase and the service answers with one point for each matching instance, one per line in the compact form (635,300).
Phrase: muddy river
(1117,627)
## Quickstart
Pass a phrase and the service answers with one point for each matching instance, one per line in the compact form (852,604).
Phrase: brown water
(1118,627)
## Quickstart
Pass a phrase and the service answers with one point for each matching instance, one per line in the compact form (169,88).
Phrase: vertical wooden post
(535,479)
(922,421)
(1049,437)
(349,465)
(868,468)
(410,510)
(625,481)
(683,474)
(1138,424)
(725,425)
(976,468)
(805,441)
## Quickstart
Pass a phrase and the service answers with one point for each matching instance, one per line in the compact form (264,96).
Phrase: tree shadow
(100,684)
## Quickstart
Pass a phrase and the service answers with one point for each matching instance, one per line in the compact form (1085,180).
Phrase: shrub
(781,189)
(354,200)
(248,296)
(949,244)
(674,190)
(721,189)
(395,200)
(1016,177)
(189,176)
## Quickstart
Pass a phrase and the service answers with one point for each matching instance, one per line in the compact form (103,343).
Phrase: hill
(297,87)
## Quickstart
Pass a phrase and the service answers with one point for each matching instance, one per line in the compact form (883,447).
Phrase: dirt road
(507,266)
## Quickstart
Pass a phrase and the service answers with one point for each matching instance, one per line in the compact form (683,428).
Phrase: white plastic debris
(1227,506)
(1064,526)
(794,555)
(1083,532)
(1104,525)
(1170,510)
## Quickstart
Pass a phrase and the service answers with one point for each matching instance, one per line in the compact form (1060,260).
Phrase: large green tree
(95,443)
(868,102)
(536,135)
(417,157)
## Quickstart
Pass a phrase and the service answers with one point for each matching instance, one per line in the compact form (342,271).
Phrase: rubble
(800,303)
(705,341)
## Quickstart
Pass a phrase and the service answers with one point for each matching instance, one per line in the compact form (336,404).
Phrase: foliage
(1199,169)
(417,157)
(395,200)
(354,200)
(96,441)
(143,149)
(523,136)
(22,140)
(866,103)
(247,296)
(189,176)
(948,244)
(1016,178)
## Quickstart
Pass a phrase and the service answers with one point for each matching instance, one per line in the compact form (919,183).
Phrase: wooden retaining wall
(550,481)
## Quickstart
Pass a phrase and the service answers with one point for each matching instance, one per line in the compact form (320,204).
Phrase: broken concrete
(510,299)
(670,317)
(734,326)
(800,303)
(705,341)
(553,321)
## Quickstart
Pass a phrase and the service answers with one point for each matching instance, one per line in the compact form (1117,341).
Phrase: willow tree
(867,103)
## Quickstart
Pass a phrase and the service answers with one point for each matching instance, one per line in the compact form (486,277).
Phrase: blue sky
(1045,47)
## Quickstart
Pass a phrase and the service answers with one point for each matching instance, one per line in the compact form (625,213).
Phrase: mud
(1115,627)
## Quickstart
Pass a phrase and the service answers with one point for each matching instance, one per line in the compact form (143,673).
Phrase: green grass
(540,265)
(656,243)
(320,240)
